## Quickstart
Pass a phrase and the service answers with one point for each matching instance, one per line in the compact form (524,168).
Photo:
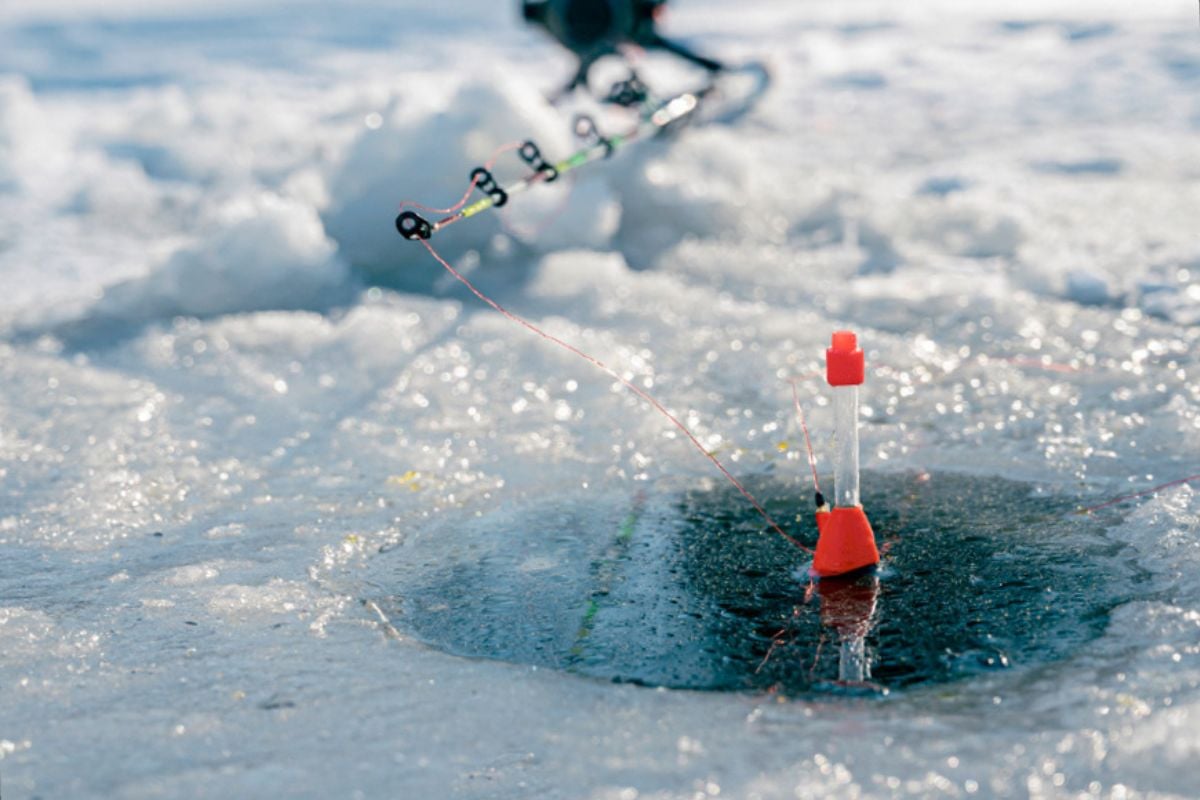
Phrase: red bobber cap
(844,362)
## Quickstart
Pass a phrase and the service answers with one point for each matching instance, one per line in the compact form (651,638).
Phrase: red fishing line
(659,407)
(1037,363)
(812,458)
(1142,493)
(491,162)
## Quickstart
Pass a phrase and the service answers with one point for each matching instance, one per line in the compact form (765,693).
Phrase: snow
(236,406)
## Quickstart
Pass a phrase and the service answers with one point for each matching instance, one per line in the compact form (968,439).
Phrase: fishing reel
(587,27)
(592,29)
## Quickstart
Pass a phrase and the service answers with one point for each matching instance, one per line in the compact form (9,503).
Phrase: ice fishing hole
(686,590)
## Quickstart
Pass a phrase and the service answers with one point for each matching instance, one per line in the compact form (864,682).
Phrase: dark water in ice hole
(688,591)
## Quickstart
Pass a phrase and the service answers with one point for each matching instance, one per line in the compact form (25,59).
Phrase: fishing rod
(656,118)
(591,30)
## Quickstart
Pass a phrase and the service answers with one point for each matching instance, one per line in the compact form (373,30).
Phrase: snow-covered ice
(234,404)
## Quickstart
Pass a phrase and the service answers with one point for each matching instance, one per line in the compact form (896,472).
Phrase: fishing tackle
(629,92)
(484,181)
(531,154)
(413,226)
(846,542)
(655,118)
(587,132)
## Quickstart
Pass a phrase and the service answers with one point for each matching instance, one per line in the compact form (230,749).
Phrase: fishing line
(1143,493)
(812,458)
(628,384)
(475,178)
(655,117)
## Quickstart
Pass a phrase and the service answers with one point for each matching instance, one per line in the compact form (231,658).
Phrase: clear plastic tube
(845,453)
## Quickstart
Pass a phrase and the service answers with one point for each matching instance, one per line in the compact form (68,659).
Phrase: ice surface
(233,399)
(682,590)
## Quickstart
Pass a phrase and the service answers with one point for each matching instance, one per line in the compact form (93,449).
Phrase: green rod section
(656,120)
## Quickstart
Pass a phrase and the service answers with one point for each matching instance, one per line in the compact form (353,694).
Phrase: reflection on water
(687,591)
(848,609)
